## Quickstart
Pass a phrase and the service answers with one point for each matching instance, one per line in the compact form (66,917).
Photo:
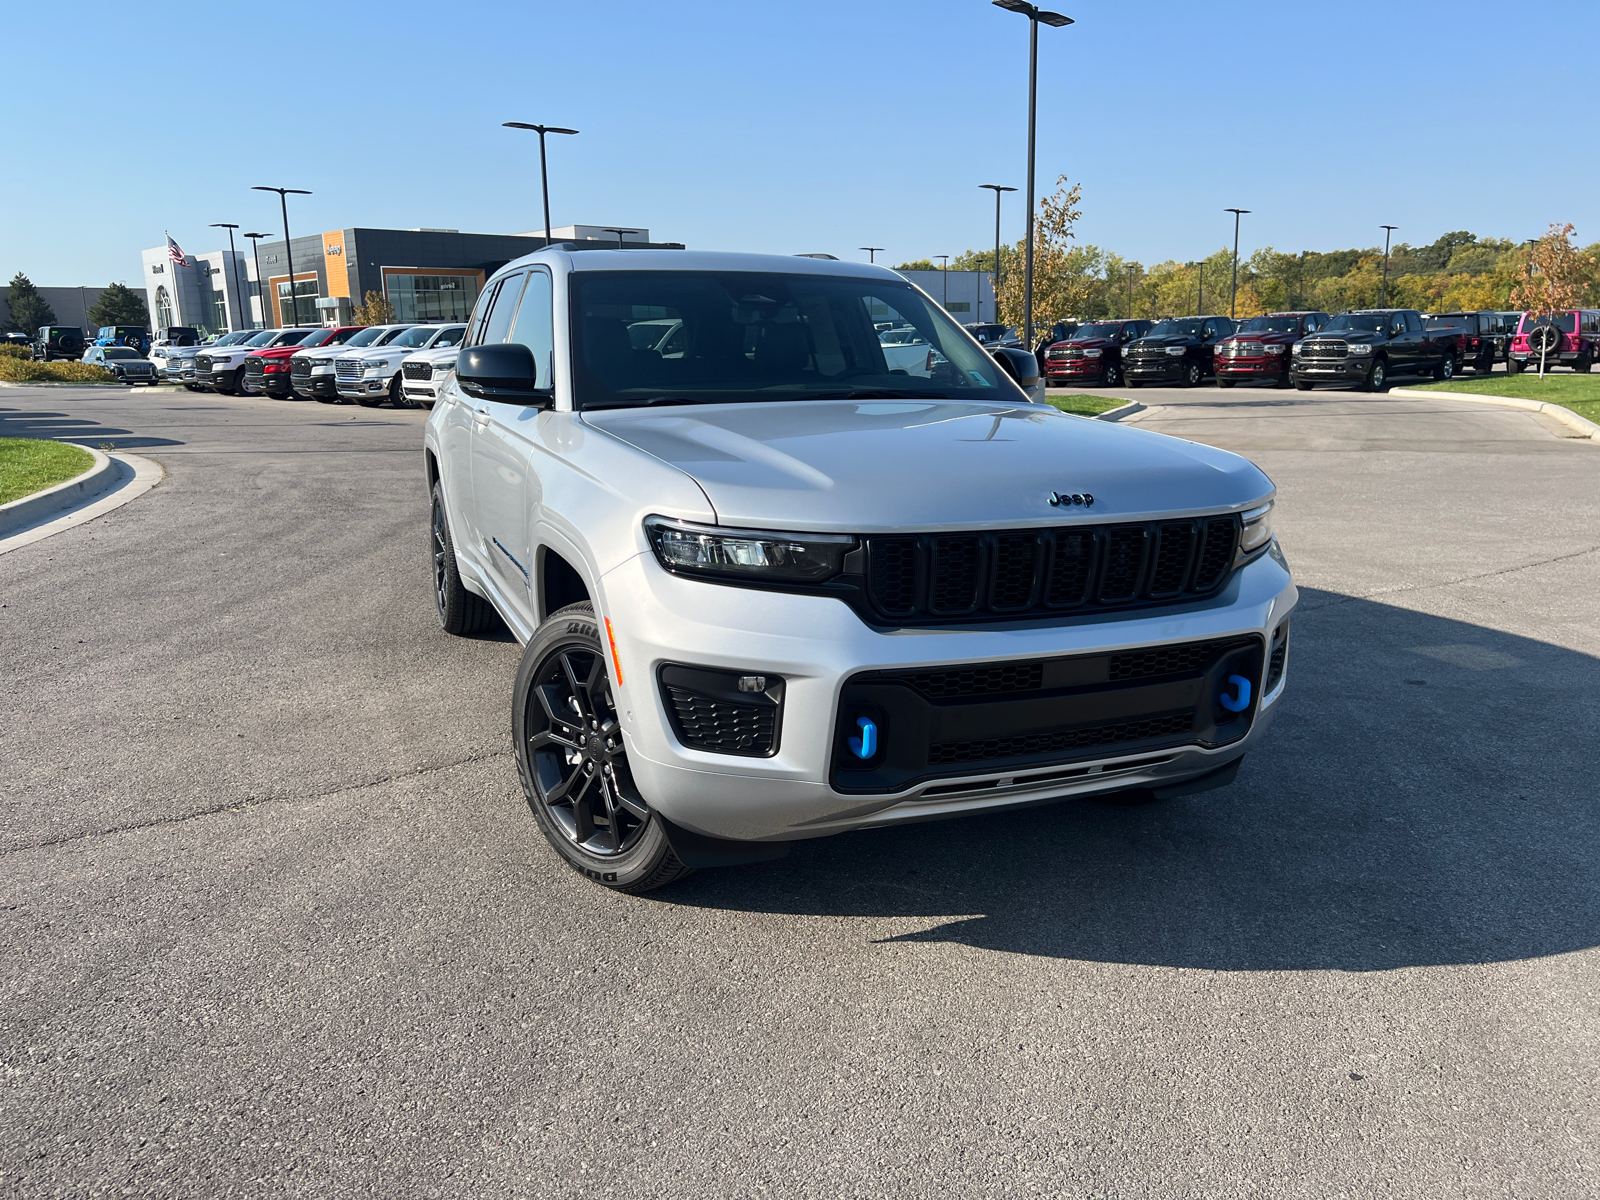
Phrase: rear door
(461,420)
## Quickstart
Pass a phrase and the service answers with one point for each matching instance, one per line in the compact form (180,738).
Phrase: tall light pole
(1133,270)
(288,246)
(1200,286)
(544,176)
(233,261)
(872,252)
(944,270)
(255,246)
(618,232)
(1055,19)
(997,189)
(1233,296)
(1388,232)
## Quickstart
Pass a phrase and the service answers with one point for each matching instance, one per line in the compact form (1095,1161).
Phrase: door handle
(481,413)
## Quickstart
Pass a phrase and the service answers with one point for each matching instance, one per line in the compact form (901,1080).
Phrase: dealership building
(426,274)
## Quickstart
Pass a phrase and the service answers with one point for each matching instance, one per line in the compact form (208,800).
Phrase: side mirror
(503,372)
(1020,365)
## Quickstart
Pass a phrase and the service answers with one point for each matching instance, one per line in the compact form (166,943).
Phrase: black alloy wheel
(1378,377)
(574,763)
(1112,374)
(1192,375)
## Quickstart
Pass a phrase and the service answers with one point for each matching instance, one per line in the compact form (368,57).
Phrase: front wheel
(1113,375)
(397,394)
(1303,385)
(574,765)
(321,399)
(1133,383)
(1378,378)
(225,384)
(1224,383)
(1284,380)
(1192,375)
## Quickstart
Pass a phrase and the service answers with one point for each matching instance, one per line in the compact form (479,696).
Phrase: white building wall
(971,296)
(189,285)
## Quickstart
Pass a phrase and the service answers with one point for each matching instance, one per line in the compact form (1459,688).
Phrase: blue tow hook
(866,745)
(1240,703)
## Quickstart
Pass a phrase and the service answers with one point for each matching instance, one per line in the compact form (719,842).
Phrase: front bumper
(1168,366)
(1066,370)
(362,387)
(317,384)
(1332,370)
(816,645)
(1249,368)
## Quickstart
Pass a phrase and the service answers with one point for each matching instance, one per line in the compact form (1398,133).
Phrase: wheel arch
(559,582)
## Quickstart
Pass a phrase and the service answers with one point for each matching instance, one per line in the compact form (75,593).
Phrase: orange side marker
(615,662)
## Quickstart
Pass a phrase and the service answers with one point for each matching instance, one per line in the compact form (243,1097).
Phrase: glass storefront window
(441,297)
(163,307)
(306,294)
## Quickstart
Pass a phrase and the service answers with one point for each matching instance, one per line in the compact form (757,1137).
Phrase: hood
(1261,337)
(1090,343)
(373,352)
(276,352)
(1347,335)
(864,467)
(1168,339)
(441,354)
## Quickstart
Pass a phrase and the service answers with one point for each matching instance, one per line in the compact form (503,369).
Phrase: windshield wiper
(875,394)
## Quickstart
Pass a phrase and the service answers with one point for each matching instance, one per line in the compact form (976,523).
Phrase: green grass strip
(29,465)
(1084,405)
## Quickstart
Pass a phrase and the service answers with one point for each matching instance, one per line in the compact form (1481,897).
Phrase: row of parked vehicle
(1364,347)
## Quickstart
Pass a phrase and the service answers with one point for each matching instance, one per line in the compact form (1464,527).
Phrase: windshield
(233,339)
(341,337)
(1097,331)
(1187,327)
(1360,322)
(752,336)
(295,337)
(901,337)
(386,336)
(1565,322)
(319,338)
(450,337)
(415,337)
(366,337)
(120,352)
(1271,325)
(264,338)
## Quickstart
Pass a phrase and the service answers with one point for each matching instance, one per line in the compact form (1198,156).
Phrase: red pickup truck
(267,371)
(1259,349)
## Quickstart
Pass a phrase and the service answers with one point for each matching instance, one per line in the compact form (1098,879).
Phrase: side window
(498,323)
(1413,324)
(534,326)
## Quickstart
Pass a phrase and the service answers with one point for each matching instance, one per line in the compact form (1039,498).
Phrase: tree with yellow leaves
(374,310)
(1555,280)
(1064,277)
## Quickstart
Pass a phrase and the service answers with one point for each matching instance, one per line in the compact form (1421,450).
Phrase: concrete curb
(1126,410)
(29,510)
(1566,416)
(131,478)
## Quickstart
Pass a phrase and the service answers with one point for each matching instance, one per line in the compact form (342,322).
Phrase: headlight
(1174,350)
(1257,529)
(321,362)
(1360,348)
(380,365)
(1273,349)
(1093,353)
(1296,348)
(746,553)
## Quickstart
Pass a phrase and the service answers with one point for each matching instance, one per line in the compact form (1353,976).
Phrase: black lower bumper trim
(699,850)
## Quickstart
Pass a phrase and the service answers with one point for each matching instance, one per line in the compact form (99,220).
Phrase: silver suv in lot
(771,586)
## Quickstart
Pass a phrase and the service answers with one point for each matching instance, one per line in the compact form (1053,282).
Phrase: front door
(505,483)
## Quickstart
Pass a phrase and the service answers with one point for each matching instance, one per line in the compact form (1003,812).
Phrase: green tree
(28,309)
(918,264)
(119,304)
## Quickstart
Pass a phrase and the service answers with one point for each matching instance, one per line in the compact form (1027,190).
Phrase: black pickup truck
(1179,349)
(1481,337)
(1368,347)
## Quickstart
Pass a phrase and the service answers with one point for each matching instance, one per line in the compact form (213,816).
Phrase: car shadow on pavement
(63,428)
(1425,796)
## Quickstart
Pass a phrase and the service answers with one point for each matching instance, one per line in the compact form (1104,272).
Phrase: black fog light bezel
(720,686)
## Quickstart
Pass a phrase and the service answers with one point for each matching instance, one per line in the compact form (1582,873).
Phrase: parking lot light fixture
(288,246)
(544,176)
(619,233)
(872,252)
(233,262)
(1388,232)
(1035,17)
(996,189)
(1233,296)
(255,246)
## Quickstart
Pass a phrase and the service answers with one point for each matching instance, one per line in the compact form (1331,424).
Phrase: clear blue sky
(767,125)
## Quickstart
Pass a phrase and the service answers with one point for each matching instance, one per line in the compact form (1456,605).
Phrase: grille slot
(979,680)
(1313,349)
(417,370)
(254,367)
(202,362)
(1111,734)
(1163,660)
(299,368)
(1280,653)
(941,576)
(706,723)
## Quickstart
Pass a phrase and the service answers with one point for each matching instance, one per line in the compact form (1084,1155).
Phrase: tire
(1378,378)
(460,612)
(1582,365)
(326,399)
(1193,376)
(1303,385)
(1225,383)
(1513,366)
(397,394)
(369,400)
(1446,369)
(1133,383)
(1284,381)
(573,762)
(1111,376)
(226,385)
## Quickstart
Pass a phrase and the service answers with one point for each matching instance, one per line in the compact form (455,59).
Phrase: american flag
(175,251)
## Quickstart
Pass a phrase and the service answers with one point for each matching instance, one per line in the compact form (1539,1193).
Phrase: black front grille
(202,362)
(300,368)
(417,370)
(254,368)
(1036,572)
(705,723)
(1325,350)
(978,680)
(1111,734)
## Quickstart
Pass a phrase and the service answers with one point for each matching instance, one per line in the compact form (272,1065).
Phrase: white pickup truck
(768,588)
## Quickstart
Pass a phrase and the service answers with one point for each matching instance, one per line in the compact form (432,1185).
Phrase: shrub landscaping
(29,465)
(20,370)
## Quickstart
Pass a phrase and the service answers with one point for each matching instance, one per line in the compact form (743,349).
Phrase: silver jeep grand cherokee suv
(771,587)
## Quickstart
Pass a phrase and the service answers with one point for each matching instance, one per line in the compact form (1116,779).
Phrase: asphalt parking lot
(277,920)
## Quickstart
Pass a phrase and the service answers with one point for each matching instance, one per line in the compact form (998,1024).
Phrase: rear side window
(534,326)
